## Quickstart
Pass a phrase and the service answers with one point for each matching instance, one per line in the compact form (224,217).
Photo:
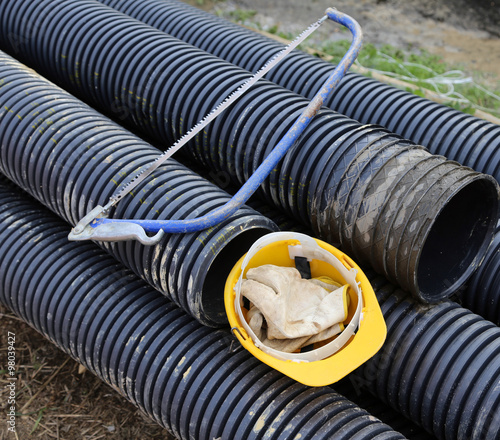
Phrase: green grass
(470,89)
(202,2)
(427,71)
(241,16)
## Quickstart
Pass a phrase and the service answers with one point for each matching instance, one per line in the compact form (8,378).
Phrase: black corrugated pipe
(426,352)
(182,374)
(482,295)
(430,350)
(458,136)
(439,366)
(383,200)
(71,158)
(451,133)
(282,220)
(381,410)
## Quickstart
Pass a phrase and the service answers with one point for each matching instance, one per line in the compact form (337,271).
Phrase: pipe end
(454,244)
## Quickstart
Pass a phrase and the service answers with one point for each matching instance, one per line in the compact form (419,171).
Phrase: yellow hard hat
(328,361)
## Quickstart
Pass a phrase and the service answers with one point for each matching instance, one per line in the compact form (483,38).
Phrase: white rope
(443,84)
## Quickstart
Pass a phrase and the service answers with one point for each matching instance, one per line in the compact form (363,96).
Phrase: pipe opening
(216,276)
(457,240)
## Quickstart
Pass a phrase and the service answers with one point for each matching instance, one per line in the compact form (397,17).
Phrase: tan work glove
(288,312)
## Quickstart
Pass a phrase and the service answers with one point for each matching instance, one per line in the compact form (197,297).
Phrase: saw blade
(231,99)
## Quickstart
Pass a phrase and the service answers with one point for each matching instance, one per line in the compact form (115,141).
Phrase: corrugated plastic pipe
(273,158)
(383,200)
(184,375)
(456,135)
(71,158)
(439,366)
(451,133)
(482,295)
(439,369)
(282,220)
(357,394)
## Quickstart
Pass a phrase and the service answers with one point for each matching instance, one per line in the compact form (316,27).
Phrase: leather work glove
(288,312)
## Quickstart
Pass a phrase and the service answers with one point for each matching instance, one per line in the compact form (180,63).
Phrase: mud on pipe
(71,158)
(454,134)
(383,200)
(185,376)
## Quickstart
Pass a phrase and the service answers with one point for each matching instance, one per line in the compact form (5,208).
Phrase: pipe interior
(457,236)
(217,273)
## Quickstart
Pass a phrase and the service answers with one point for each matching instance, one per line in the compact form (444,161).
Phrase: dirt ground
(59,400)
(462,31)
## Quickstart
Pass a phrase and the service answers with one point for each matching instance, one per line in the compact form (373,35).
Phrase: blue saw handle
(220,214)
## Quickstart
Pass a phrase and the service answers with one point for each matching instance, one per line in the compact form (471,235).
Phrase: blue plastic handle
(220,214)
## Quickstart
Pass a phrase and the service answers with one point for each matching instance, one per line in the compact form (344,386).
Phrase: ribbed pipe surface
(182,374)
(385,201)
(482,295)
(439,366)
(355,392)
(71,158)
(439,369)
(451,133)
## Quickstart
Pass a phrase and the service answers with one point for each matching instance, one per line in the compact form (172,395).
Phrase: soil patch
(461,31)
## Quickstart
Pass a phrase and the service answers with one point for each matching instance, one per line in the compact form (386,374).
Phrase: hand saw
(96,226)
